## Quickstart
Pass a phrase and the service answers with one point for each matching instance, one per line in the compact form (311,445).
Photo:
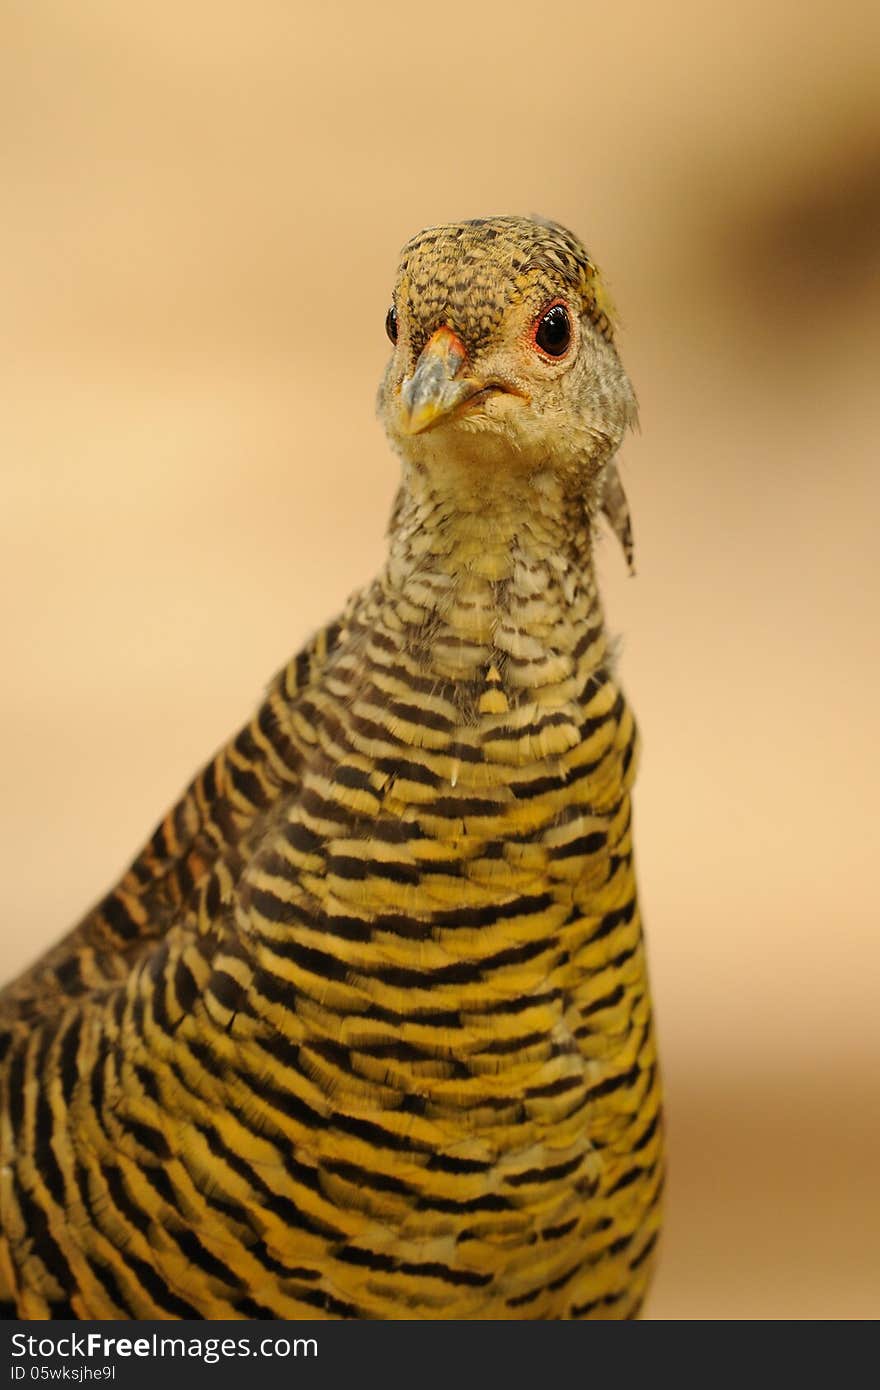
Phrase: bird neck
(490,565)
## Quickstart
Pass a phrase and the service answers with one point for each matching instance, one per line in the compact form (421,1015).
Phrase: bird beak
(435,388)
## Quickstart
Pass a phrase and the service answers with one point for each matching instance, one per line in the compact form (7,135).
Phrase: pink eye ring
(553,331)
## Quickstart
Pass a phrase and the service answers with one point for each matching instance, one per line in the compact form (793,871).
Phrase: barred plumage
(365,1029)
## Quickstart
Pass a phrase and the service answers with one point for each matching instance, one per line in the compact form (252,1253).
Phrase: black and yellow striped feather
(365,1029)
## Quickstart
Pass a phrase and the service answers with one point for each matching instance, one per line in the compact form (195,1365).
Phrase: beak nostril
(435,387)
(445,345)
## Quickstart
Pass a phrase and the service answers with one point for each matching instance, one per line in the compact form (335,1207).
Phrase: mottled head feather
(504,414)
(468,274)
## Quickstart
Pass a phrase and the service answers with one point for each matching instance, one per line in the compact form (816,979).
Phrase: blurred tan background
(202,206)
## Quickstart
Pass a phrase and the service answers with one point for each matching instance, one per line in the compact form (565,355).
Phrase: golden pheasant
(365,1029)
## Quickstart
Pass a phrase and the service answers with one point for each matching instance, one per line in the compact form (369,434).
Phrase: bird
(365,1030)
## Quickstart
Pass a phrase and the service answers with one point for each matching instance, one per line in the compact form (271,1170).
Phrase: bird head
(504,355)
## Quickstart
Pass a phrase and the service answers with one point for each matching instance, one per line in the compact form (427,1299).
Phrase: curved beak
(435,387)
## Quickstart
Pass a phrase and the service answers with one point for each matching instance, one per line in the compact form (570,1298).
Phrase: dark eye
(553,331)
(391,324)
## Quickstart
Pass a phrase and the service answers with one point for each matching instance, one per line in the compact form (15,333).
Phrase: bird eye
(391,324)
(553,331)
